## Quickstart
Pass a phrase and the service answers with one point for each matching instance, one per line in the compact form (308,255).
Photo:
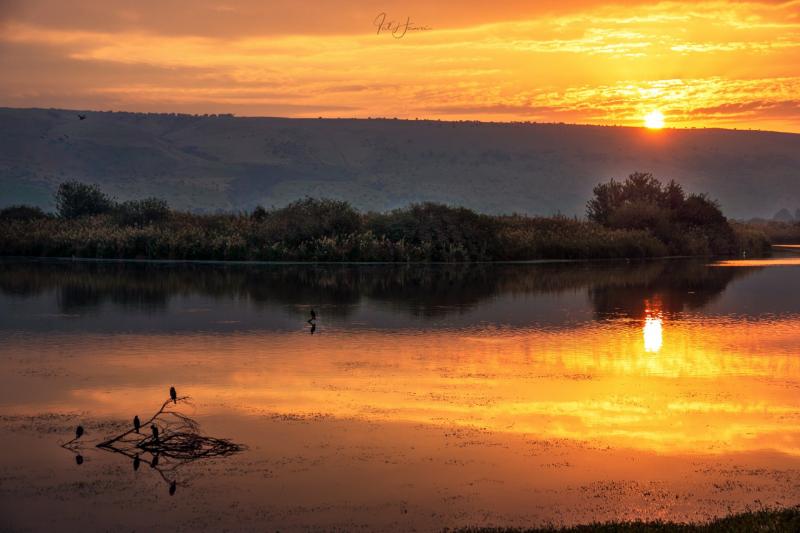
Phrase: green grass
(767,521)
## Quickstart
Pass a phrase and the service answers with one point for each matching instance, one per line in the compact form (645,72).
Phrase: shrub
(22,212)
(309,219)
(645,223)
(259,214)
(687,225)
(451,231)
(141,212)
(75,199)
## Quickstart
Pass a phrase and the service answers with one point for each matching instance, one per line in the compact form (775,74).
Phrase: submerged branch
(178,442)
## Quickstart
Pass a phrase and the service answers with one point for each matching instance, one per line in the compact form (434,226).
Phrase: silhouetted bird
(173,395)
(155,431)
(136,462)
(78,432)
(79,459)
(172,487)
(154,462)
(313,315)
(81,117)
(136,423)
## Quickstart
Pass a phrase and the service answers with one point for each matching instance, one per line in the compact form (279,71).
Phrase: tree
(607,198)
(686,224)
(259,214)
(22,212)
(75,199)
(141,212)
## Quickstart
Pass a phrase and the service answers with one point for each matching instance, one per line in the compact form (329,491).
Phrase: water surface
(425,396)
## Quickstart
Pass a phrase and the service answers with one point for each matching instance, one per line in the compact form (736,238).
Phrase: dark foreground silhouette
(174,442)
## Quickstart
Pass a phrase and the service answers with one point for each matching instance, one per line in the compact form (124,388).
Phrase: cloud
(561,61)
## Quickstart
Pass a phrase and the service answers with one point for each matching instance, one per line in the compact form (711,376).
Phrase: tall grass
(637,218)
(323,230)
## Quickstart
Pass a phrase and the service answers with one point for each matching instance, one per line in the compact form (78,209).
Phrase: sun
(654,120)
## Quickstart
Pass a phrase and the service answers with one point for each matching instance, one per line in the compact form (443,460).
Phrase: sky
(700,64)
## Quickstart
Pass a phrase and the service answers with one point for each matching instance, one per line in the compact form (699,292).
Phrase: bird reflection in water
(75,446)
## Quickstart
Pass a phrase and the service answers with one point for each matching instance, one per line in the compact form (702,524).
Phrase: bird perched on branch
(155,432)
(172,488)
(78,432)
(136,462)
(173,395)
(136,423)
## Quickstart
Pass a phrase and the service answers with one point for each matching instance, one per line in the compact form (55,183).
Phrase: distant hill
(209,163)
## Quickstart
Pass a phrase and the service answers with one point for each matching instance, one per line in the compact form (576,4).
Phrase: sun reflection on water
(652,330)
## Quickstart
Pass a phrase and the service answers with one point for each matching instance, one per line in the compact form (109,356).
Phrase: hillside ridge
(222,162)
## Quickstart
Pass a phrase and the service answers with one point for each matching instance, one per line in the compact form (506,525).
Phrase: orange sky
(703,64)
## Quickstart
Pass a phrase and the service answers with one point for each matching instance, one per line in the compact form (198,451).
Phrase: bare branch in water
(176,442)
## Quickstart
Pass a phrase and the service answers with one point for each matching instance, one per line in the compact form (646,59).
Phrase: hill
(209,163)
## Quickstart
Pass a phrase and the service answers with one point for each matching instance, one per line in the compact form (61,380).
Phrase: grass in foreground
(767,521)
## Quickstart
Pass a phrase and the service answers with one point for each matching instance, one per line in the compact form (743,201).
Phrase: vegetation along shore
(639,217)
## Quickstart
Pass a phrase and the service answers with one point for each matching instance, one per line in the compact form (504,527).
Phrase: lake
(422,397)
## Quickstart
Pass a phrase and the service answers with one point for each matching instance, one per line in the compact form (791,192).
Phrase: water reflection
(491,381)
(658,362)
(653,337)
(421,291)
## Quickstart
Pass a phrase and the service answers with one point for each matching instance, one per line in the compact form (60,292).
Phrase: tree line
(634,218)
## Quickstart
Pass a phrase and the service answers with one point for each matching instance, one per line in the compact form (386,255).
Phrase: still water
(423,397)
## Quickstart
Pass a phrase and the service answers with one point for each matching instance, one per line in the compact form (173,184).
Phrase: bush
(22,212)
(686,225)
(141,212)
(641,219)
(259,214)
(75,199)
(309,219)
(449,231)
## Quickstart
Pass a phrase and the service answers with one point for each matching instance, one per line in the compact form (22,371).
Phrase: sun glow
(654,120)
(653,337)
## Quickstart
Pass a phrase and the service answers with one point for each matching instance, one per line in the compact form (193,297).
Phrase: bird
(79,459)
(172,487)
(173,395)
(136,423)
(154,462)
(136,462)
(155,431)
(78,432)
(313,315)
(81,117)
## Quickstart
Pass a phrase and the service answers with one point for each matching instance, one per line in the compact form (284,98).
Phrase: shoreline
(62,259)
(774,520)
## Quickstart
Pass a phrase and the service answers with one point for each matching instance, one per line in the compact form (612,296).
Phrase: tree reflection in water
(615,289)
